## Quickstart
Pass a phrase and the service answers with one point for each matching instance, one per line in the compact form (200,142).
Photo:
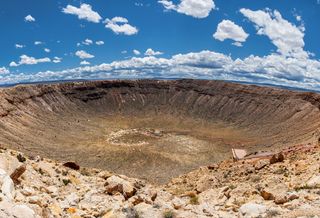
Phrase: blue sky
(267,41)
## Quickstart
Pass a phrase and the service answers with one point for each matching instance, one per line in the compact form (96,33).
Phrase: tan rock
(267,195)
(206,182)
(116,184)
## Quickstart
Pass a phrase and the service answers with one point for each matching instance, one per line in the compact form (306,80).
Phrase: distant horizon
(155,79)
(261,42)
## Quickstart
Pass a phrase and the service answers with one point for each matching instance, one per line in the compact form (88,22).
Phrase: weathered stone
(23,211)
(17,173)
(252,210)
(117,184)
(7,187)
(281,199)
(261,164)
(267,195)
(314,182)
(276,158)
(72,165)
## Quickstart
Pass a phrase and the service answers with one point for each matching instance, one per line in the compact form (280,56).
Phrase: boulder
(281,199)
(17,173)
(252,210)
(261,164)
(116,184)
(314,182)
(23,211)
(276,158)
(267,195)
(7,187)
(8,209)
(72,165)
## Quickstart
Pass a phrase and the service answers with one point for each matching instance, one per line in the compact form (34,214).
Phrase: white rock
(9,163)
(27,191)
(23,211)
(251,210)
(314,182)
(53,191)
(8,209)
(73,199)
(7,187)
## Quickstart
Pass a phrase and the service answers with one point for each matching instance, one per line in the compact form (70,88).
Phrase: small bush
(168,214)
(194,200)
(21,158)
(66,181)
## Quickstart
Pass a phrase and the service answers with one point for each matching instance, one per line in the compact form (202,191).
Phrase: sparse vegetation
(232,186)
(304,187)
(194,200)
(168,214)
(66,181)
(21,158)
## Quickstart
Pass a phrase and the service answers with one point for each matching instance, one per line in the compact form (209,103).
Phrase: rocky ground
(284,185)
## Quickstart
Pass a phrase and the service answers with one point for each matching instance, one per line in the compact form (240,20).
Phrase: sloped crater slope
(151,129)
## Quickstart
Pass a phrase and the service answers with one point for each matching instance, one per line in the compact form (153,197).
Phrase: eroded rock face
(152,129)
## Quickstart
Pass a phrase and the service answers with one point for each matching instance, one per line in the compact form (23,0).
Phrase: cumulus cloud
(84,63)
(19,46)
(26,60)
(85,12)
(29,18)
(229,30)
(136,52)
(274,69)
(151,52)
(83,54)
(287,37)
(4,70)
(87,42)
(194,8)
(120,25)
(56,60)
(100,42)
(38,43)
(47,50)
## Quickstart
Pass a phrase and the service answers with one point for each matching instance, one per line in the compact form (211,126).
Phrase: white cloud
(274,69)
(100,42)
(298,18)
(84,12)
(47,50)
(194,8)
(13,64)
(238,44)
(87,42)
(84,63)
(83,54)
(136,52)
(56,60)
(29,18)
(19,46)
(38,43)
(26,60)
(4,70)
(120,25)
(229,30)
(124,52)
(287,37)
(151,52)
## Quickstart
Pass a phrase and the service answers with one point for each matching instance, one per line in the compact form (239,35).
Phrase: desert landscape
(164,145)
(160,109)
